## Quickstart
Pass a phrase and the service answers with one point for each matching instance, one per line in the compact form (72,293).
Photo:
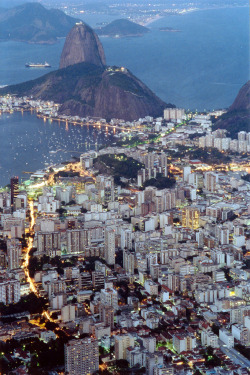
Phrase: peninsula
(85,86)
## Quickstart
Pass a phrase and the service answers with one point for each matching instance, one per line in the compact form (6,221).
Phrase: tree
(61,211)
(51,326)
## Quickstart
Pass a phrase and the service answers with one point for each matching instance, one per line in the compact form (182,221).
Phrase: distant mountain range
(85,86)
(122,28)
(33,23)
(237,118)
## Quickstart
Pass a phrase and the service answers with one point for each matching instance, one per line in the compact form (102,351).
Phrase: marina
(31,144)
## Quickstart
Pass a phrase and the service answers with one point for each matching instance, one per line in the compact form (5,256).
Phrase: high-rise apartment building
(174,114)
(109,243)
(107,315)
(109,296)
(190,217)
(81,356)
(77,239)
(129,262)
(14,189)
(14,252)
(85,280)
(121,344)
(210,181)
(9,291)
(98,279)
(126,238)
(48,241)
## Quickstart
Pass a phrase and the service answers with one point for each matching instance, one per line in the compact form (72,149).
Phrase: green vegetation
(206,155)
(119,165)
(44,357)
(30,303)
(129,142)
(160,182)
(36,264)
(136,140)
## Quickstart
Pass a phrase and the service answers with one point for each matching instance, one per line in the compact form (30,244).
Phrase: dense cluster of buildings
(219,140)
(151,276)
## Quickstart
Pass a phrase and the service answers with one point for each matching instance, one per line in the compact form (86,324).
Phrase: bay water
(202,66)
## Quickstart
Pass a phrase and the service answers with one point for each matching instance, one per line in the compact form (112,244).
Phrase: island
(122,28)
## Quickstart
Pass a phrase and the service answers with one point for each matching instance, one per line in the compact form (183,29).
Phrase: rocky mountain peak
(242,100)
(82,45)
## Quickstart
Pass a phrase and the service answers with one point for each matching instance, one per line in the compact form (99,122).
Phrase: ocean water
(201,67)
(29,143)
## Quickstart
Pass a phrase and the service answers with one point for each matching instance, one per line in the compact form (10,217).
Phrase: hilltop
(122,28)
(82,45)
(33,23)
(85,86)
(85,89)
(238,116)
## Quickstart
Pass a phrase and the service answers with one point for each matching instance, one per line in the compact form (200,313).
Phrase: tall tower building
(9,291)
(129,262)
(14,190)
(109,296)
(126,238)
(77,240)
(107,315)
(14,252)
(81,356)
(149,160)
(190,217)
(122,342)
(210,181)
(223,235)
(48,242)
(98,279)
(186,173)
(109,243)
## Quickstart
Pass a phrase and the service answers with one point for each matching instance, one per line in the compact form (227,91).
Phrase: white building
(68,313)
(81,356)
(184,342)
(9,291)
(151,287)
(241,333)
(109,243)
(226,337)
(208,338)
(122,342)
(109,296)
(149,343)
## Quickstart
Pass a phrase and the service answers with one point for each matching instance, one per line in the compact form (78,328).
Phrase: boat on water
(38,65)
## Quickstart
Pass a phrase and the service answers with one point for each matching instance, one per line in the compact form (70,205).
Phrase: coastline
(185,12)
(100,126)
